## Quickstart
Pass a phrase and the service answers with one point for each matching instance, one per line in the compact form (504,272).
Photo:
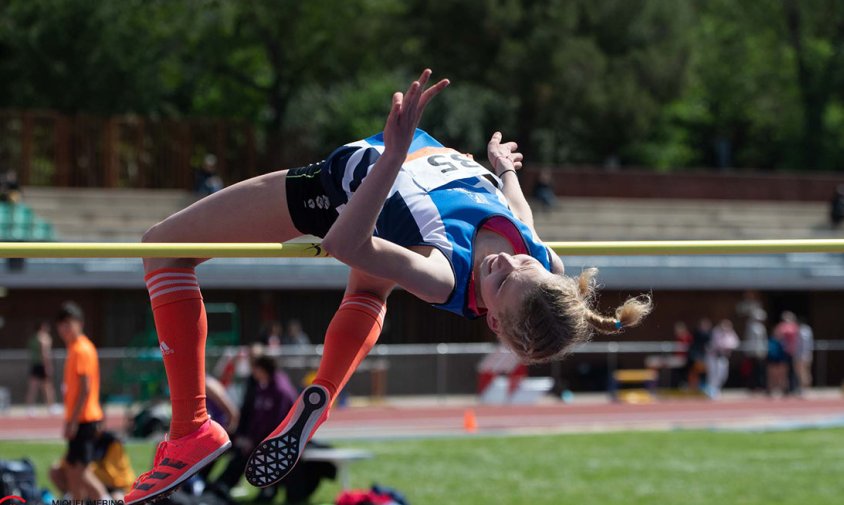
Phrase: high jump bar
(311,250)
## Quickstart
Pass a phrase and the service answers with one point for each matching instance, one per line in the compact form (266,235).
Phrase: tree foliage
(632,82)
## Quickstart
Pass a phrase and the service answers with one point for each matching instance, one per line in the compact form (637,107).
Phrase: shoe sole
(173,486)
(273,459)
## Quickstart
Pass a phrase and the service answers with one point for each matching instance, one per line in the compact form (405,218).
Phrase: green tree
(585,80)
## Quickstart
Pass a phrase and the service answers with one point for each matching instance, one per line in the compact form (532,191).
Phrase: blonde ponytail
(628,315)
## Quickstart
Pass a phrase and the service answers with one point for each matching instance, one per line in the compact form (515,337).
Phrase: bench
(341,458)
(645,377)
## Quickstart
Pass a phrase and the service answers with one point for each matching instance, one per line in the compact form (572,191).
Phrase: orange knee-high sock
(353,331)
(182,329)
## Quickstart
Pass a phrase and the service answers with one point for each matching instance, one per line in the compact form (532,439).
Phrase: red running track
(433,420)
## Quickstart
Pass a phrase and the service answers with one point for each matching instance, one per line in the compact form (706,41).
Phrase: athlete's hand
(70,429)
(503,156)
(406,112)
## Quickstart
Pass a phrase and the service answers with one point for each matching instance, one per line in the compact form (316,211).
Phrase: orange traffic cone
(470,422)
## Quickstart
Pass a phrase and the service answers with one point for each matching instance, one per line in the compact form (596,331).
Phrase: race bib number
(433,167)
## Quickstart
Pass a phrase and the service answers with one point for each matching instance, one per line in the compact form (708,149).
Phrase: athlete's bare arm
(506,160)
(350,240)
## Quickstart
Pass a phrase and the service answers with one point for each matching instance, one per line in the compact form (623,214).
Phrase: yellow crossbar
(309,250)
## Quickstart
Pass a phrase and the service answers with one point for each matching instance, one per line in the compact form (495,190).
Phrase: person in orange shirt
(82,414)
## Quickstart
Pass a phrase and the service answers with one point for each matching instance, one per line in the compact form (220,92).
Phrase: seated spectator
(544,190)
(272,335)
(207,180)
(110,465)
(295,335)
(220,406)
(836,207)
(10,190)
(269,396)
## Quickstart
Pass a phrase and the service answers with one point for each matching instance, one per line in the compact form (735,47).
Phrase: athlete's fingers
(395,107)
(409,96)
(517,165)
(423,78)
(494,140)
(412,97)
(517,156)
(510,146)
(397,100)
(431,93)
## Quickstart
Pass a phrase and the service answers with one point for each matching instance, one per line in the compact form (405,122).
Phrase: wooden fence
(47,148)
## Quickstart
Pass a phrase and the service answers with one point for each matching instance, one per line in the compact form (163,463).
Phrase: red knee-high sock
(182,329)
(353,331)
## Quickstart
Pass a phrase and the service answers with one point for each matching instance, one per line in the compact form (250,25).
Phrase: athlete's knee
(158,233)
(153,234)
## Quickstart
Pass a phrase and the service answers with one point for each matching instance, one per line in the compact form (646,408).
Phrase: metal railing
(410,369)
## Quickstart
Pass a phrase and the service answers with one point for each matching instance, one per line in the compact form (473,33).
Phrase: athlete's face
(504,279)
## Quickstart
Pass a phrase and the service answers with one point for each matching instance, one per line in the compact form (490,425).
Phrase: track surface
(433,420)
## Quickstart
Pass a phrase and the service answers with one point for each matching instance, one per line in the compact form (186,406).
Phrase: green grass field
(687,467)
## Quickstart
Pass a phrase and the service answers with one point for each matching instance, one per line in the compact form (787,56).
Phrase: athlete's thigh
(254,210)
(360,282)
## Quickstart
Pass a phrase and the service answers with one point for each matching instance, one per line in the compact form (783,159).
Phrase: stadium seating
(124,214)
(668,219)
(18,223)
(104,215)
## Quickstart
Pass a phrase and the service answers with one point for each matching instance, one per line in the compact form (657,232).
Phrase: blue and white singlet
(440,199)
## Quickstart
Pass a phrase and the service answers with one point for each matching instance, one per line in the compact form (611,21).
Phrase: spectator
(723,342)
(10,190)
(787,332)
(207,180)
(83,413)
(544,190)
(696,364)
(683,339)
(111,466)
(803,355)
(295,335)
(271,335)
(221,409)
(777,377)
(220,406)
(41,369)
(836,207)
(756,342)
(271,397)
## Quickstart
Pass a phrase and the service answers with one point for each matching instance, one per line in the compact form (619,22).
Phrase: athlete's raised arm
(506,161)
(350,239)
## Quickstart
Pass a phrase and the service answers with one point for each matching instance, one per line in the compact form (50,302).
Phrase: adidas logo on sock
(165,349)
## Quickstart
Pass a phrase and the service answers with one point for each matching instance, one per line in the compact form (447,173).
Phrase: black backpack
(17,478)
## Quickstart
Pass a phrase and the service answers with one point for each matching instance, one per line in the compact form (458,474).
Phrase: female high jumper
(399,209)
